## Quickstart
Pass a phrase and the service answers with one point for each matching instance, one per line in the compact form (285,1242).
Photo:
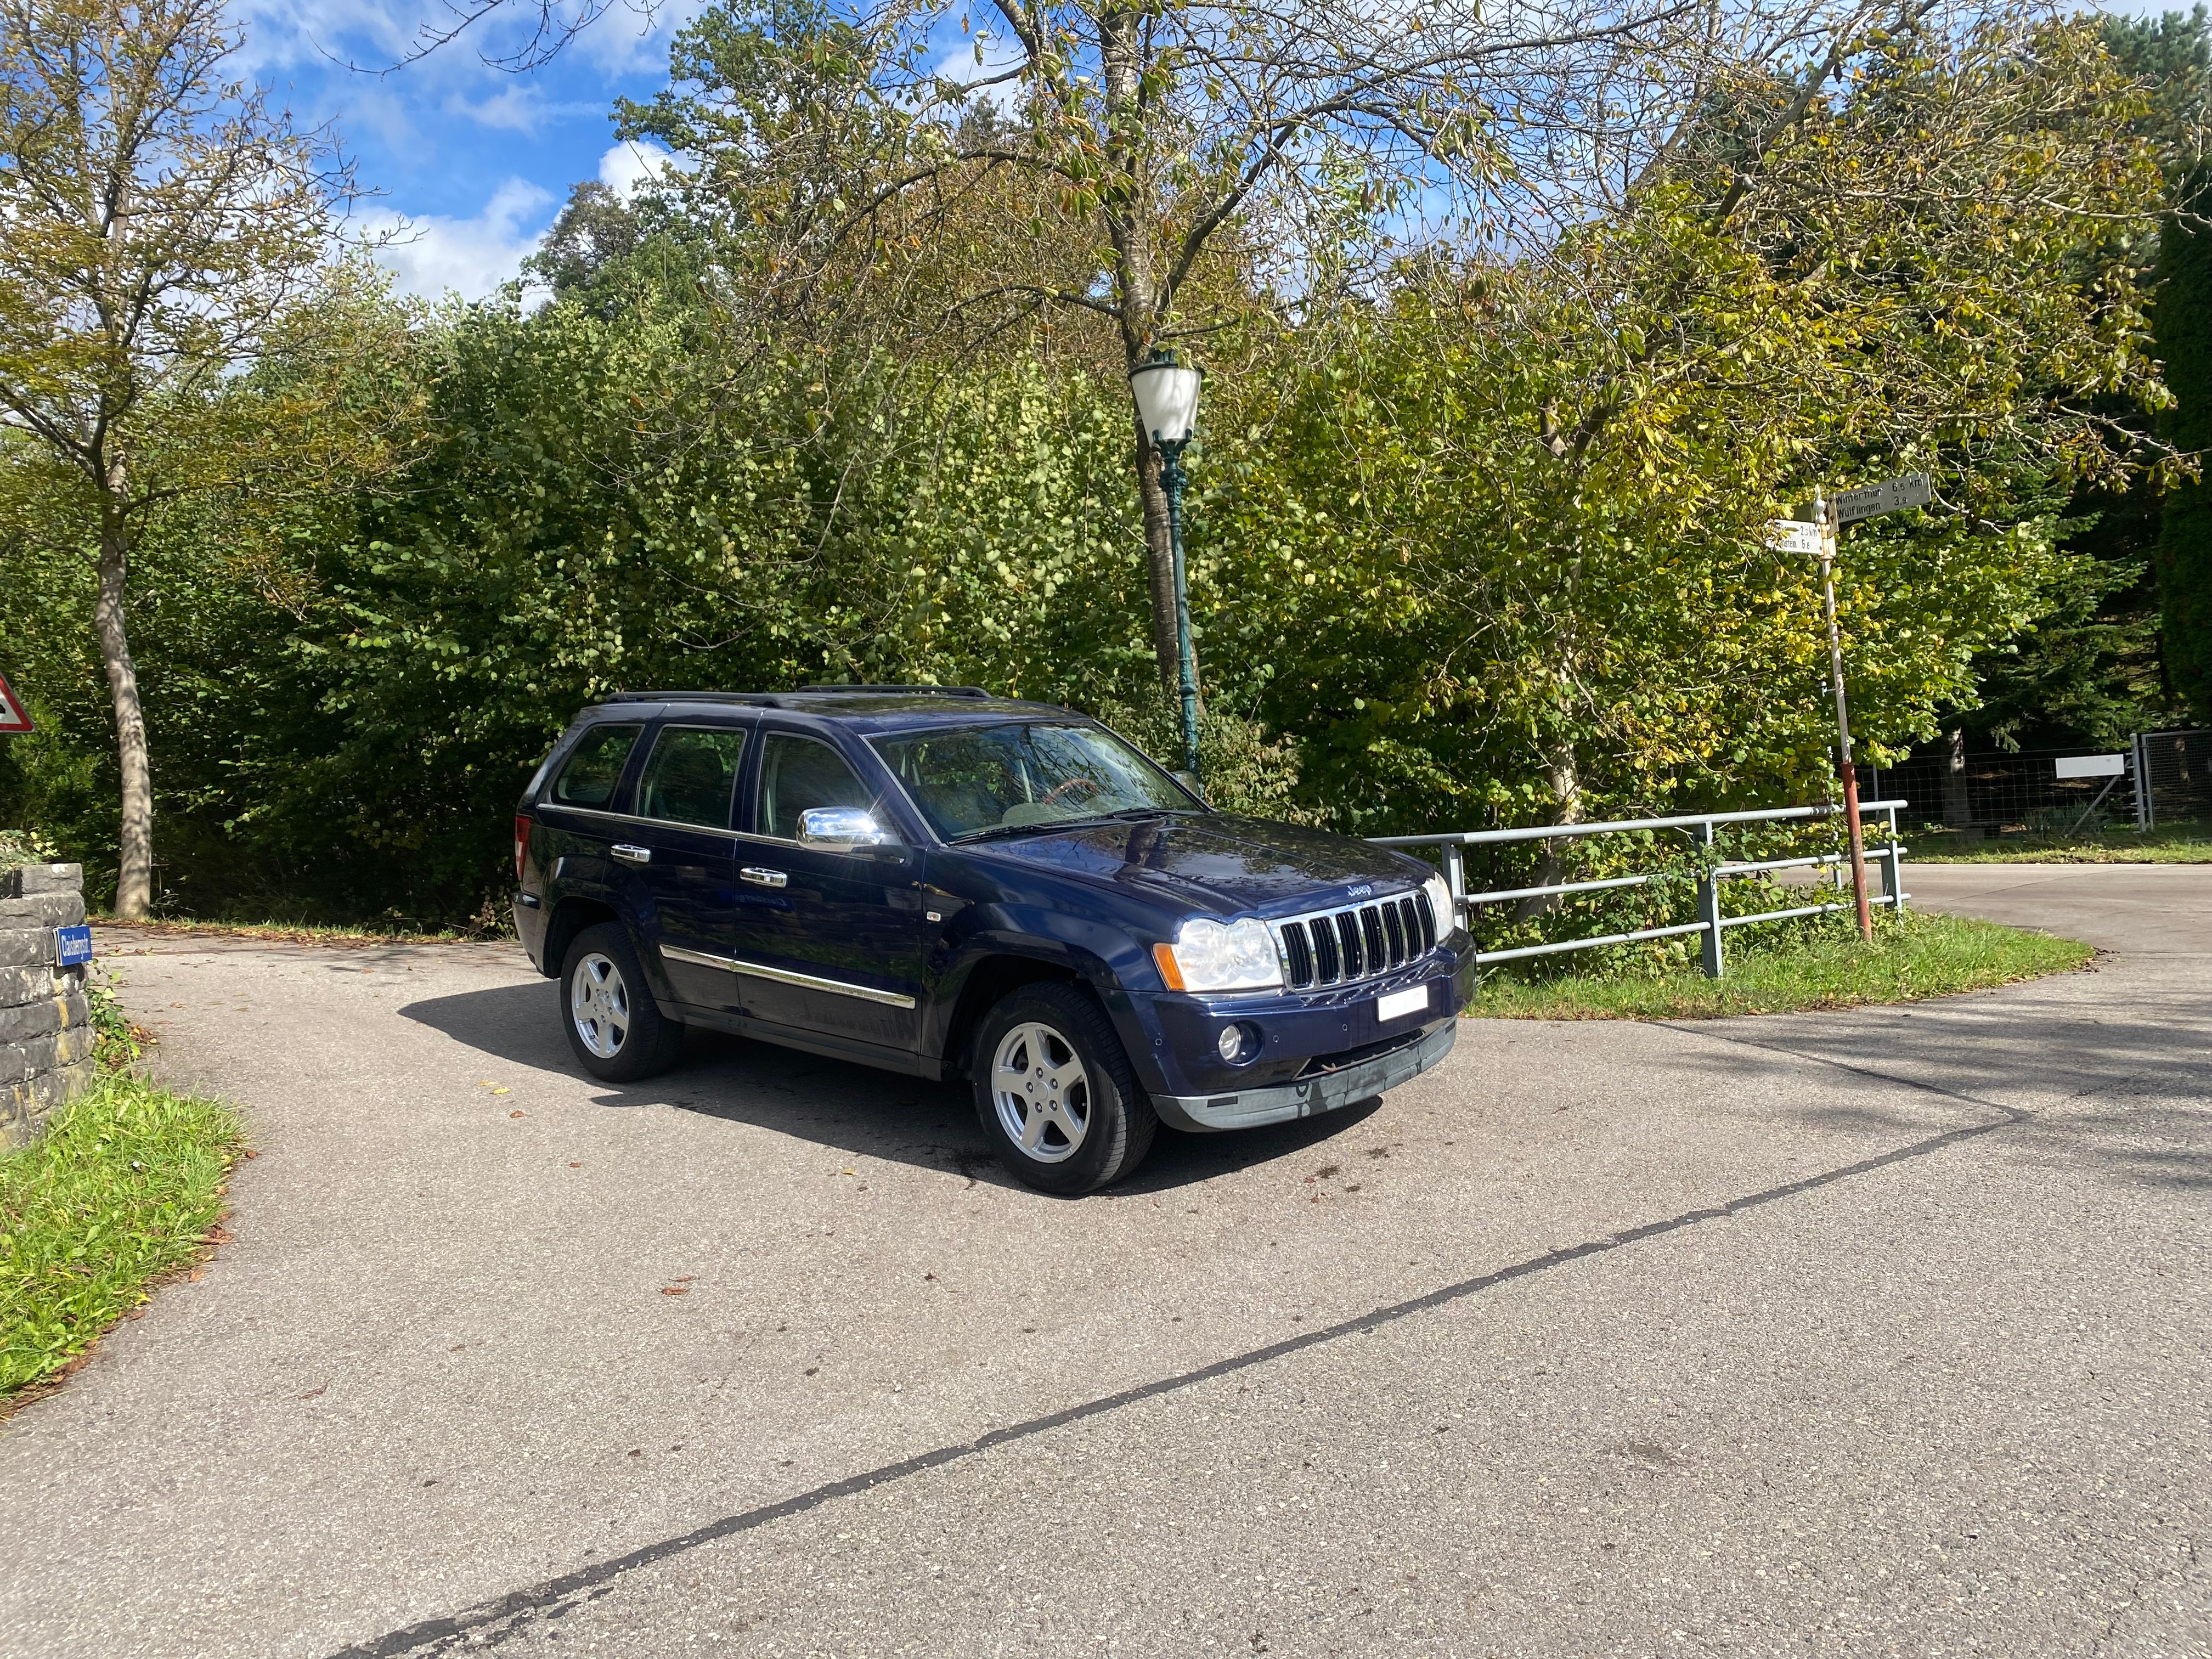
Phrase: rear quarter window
(588,776)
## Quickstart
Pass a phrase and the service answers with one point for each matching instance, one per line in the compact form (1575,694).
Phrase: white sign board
(1793,536)
(1890,495)
(2092,766)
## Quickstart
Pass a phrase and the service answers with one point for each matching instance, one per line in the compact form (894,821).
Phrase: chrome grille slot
(1419,930)
(1370,924)
(1297,955)
(1394,929)
(1348,939)
(1328,960)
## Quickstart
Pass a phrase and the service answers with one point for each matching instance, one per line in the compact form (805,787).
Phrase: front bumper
(1309,1097)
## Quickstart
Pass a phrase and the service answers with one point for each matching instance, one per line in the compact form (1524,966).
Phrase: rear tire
(615,1029)
(1055,1091)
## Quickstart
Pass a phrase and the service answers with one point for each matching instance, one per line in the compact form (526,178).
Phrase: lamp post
(1167,405)
(1823,513)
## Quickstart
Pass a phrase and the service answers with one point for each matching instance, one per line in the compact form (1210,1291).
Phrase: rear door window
(691,775)
(589,776)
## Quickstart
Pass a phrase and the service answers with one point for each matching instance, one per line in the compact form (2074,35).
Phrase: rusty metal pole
(1826,512)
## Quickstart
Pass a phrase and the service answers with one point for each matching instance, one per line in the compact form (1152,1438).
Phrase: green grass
(2182,844)
(125,1187)
(1818,966)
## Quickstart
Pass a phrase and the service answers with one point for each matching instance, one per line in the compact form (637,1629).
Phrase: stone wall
(45,1029)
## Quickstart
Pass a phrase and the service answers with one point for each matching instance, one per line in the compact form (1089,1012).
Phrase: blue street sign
(72,946)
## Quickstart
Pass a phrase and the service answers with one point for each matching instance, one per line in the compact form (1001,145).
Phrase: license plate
(1398,1004)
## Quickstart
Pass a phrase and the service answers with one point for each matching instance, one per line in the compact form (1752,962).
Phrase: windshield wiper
(1089,820)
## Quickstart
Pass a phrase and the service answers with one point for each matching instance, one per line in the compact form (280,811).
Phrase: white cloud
(430,254)
(631,163)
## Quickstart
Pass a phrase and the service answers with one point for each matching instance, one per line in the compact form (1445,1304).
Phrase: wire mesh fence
(2175,769)
(2158,777)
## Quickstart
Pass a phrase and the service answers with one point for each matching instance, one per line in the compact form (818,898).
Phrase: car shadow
(851,1108)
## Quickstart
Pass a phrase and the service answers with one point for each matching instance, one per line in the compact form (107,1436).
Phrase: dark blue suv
(944,882)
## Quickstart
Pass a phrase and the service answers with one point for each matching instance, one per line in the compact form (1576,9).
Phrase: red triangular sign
(14,722)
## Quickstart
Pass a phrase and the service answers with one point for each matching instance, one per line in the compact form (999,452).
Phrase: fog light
(1239,1043)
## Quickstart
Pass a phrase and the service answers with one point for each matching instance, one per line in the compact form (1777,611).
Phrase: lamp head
(1167,396)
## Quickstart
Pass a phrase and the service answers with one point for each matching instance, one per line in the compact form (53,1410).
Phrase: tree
(1522,504)
(1148,139)
(2185,542)
(156,217)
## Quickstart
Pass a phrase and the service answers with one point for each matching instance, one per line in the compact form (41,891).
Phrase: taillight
(521,841)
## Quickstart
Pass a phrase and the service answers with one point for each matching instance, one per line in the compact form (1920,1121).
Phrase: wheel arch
(569,918)
(990,979)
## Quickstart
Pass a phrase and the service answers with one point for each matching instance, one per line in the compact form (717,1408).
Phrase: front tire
(1055,1091)
(615,1029)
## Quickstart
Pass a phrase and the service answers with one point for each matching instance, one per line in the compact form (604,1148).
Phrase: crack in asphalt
(553,1597)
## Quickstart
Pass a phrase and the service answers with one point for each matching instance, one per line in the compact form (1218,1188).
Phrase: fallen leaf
(929,1275)
(314,1393)
(249,1153)
(575,1166)
(512,1114)
(675,1290)
(686,1280)
(502,1091)
(197,1274)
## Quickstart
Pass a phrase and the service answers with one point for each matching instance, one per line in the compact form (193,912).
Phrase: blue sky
(474,159)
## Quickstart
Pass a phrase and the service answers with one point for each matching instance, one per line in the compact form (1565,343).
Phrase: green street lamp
(1167,405)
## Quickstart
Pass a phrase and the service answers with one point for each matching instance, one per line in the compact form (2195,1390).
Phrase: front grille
(1336,947)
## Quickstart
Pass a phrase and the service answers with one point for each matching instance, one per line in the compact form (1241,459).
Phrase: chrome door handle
(629,854)
(760,878)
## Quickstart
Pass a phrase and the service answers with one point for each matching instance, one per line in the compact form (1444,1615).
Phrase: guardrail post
(1708,903)
(1455,881)
(1895,874)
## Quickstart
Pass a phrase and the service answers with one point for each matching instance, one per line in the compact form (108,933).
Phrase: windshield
(1025,776)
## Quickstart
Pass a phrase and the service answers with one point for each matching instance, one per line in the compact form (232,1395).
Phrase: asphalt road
(1879,1332)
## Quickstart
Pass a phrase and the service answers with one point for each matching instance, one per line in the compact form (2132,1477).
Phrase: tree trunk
(133,879)
(1958,812)
(1138,304)
(1566,780)
(1159,559)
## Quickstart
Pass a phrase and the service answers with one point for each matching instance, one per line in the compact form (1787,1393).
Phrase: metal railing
(1710,923)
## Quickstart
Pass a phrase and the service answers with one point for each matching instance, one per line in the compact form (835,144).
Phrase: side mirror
(839,829)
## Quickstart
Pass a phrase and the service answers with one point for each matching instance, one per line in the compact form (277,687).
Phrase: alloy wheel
(1041,1092)
(598,1001)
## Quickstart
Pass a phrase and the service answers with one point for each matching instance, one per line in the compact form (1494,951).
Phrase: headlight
(1208,956)
(1440,906)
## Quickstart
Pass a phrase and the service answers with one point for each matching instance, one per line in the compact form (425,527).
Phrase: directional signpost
(13,721)
(1818,539)
(1890,495)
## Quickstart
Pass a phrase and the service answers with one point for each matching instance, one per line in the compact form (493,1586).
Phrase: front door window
(796,774)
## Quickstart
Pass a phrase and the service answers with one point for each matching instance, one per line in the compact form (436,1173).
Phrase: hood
(1218,863)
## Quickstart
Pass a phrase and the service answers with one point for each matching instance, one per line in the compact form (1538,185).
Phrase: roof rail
(761,699)
(912,690)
